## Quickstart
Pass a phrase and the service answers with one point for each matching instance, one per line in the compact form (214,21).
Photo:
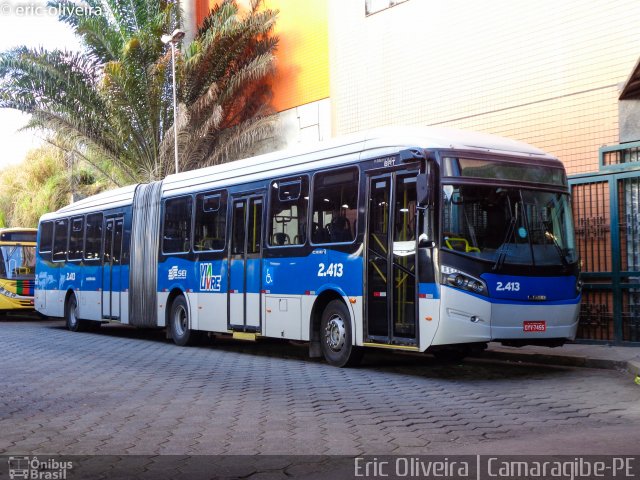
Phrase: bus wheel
(71,315)
(179,317)
(336,336)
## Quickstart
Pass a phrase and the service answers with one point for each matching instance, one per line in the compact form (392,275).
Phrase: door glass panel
(254,228)
(237,229)
(377,257)
(252,264)
(117,243)
(108,242)
(107,269)
(404,243)
(244,263)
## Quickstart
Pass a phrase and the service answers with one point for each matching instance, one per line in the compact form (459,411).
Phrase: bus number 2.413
(508,287)
(333,270)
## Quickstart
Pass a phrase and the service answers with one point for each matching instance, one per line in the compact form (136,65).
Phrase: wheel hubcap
(73,317)
(180,320)
(335,333)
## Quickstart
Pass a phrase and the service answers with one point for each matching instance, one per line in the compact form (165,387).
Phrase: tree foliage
(113,101)
(41,184)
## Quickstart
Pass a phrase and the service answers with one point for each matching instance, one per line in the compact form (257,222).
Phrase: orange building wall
(302,74)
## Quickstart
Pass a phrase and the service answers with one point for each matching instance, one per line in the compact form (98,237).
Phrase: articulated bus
(17,268)
(407,239)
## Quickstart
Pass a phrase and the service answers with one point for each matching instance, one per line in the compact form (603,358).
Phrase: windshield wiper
(504,248)
(561,254)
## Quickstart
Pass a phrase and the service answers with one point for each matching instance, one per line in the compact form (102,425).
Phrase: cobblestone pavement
(123,391)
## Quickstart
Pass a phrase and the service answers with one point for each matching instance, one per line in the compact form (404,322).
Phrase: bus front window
(508,225)
(17,261)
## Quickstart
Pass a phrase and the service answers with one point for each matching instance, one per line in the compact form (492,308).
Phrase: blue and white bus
(408,239)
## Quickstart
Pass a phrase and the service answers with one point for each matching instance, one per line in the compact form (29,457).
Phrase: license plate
(534,326)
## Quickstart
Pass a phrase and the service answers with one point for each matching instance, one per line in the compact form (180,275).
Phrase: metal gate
(606,209)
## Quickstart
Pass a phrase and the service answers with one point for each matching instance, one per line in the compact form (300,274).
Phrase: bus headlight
(457,279)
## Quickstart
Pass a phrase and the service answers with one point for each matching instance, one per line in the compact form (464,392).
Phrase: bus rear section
(17,269)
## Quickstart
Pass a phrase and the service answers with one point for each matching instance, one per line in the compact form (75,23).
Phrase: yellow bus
(17,268)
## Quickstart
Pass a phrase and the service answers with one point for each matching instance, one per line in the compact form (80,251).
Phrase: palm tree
(223,97)
(112,103)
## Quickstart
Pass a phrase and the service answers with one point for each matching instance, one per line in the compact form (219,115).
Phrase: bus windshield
(18,261)
(508,225)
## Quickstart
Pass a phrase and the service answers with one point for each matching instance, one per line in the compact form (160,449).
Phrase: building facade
(562,76)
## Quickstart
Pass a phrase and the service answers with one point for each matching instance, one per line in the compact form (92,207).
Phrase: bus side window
(93,236)
(335,206)
(46,240)
(177,225)
(60,234)
(210,221)
(288,212)
(75,238)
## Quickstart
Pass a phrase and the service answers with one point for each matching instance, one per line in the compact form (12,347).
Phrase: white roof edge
(357,140)
(374,139)
(451,138)
(378,138)
(107,199)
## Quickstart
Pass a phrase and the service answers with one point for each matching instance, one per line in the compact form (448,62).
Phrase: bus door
(245,260)
(391,260)
(111,259)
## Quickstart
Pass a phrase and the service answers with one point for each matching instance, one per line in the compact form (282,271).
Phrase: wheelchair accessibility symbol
(268,279)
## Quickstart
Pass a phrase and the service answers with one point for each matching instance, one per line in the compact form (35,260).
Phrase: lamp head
(174,38)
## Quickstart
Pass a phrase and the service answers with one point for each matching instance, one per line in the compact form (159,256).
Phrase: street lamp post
(173,39)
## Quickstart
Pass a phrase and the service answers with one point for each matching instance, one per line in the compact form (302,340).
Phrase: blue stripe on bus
(522,288)
(281,276)
(499,301)
(429,290)
(74,276)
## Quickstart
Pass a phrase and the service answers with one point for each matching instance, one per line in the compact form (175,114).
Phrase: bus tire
(181,334)
(336,337)
(71,315)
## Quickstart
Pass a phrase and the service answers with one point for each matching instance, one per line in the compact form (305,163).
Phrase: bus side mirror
(423,188)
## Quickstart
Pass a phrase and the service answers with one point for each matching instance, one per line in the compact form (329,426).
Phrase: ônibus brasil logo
(32,468)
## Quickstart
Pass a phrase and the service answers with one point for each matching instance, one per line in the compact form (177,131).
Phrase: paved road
(125,391)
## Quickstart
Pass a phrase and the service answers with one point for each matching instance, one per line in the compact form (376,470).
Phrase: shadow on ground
(423,365)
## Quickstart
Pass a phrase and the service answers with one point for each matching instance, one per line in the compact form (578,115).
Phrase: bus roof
(18,229)
(17,235)
(327,154)
(107,199)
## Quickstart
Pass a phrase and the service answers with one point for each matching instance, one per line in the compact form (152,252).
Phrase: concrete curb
(632,367)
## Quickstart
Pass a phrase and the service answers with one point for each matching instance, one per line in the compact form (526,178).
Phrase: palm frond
(234,141)
(113,102)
